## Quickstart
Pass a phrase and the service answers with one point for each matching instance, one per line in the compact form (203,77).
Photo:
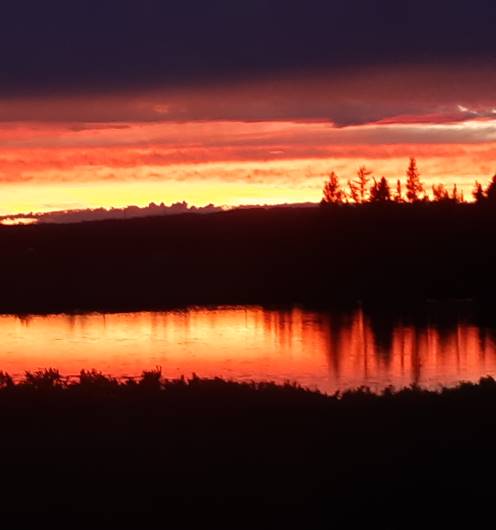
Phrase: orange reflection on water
(315,349)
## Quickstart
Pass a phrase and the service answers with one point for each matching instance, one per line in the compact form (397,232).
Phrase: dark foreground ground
(393,254)
(214,454)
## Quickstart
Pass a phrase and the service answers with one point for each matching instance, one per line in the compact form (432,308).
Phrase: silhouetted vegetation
(380,192)
(487,196)
(391,247)
(207,452)
(360,191)
(414,188)
(333,194)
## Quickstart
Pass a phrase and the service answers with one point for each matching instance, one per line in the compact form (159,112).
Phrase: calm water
(316,349)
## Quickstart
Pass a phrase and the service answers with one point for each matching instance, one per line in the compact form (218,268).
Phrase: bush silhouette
(48,379)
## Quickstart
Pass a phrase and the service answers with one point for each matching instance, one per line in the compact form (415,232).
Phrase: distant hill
(129,212)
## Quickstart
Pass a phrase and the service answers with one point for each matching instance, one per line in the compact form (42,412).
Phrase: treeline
(367,189)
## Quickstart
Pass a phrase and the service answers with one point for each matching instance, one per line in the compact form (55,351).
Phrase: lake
(325,350)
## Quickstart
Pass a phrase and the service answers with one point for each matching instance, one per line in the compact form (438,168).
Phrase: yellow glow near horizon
(226,164)
(52,197)
(18,221)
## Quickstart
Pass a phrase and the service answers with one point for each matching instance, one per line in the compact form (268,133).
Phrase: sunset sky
(112,103)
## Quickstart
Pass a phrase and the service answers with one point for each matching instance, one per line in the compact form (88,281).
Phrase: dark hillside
(313,256)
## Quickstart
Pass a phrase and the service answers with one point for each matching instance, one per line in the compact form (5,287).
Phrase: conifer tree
(457,196)
(440,193)
(380,191)
(354,194)
(414,188)
(398,196)
(478,192)
(362,181)
(491,191)
(333,194)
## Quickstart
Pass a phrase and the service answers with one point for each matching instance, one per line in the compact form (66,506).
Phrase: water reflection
(328,351)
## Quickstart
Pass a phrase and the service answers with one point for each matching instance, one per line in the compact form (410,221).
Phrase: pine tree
(362,181)
(440,193)
(398,196)
(333,194)
(457,196)
(380,191)
(478,192)
(491,191)
(354,194)
(414,188)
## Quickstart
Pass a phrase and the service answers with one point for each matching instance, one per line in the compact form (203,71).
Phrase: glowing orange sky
(221,163)
(251,144)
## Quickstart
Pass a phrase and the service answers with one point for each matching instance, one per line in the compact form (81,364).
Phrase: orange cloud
(270,138)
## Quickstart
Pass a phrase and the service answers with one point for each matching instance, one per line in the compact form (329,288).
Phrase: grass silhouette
(211,452)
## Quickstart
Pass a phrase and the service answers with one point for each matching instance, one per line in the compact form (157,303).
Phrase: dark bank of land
(212,454)
(381,254)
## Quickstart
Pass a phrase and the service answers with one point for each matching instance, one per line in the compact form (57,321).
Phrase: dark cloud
(82,45)
(402,94)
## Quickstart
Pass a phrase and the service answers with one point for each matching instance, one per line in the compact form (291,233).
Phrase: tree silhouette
(359,192)
(362,181)
(333,194)
(398,196)
(380,191)
(440,193)
(478,192)
(354,193)
(491,190)
(414,188)
(457,196)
